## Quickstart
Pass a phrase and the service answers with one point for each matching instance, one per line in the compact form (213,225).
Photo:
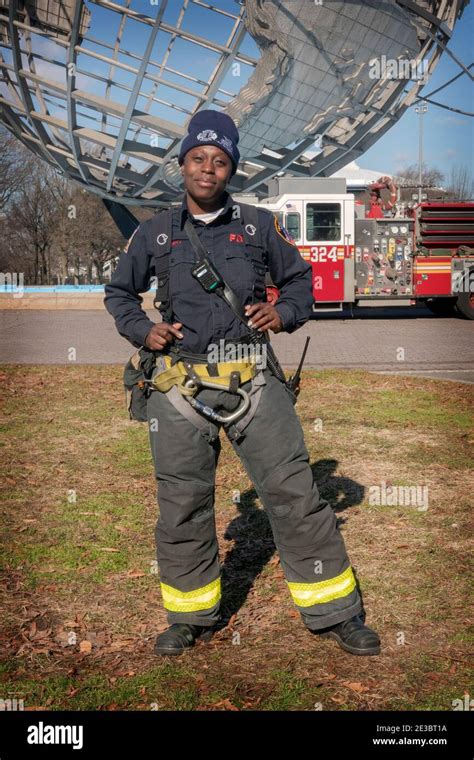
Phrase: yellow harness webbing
(177,375)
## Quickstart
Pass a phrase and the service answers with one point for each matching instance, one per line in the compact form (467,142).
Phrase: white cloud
(403,157)
(450,119)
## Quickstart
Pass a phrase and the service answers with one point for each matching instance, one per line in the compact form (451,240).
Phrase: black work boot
(353,636)
(179,637)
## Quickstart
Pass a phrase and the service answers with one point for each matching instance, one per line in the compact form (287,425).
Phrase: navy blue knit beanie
(212,128)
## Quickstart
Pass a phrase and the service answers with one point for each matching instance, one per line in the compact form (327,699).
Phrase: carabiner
(208,411)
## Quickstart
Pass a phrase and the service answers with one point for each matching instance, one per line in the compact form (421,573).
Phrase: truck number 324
(322,253)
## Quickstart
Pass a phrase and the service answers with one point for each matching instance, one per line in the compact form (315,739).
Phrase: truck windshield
(323,221)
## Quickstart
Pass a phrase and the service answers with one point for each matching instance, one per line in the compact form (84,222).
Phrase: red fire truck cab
(428,256)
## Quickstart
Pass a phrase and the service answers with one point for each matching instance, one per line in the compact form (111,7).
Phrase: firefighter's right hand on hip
(161,334)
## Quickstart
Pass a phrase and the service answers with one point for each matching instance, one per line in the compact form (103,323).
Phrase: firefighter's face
(206,170)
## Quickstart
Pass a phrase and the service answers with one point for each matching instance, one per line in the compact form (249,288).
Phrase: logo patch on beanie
(207,134)
(227,143)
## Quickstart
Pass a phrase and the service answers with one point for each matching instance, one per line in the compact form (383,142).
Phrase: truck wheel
(465,300)
(442,307)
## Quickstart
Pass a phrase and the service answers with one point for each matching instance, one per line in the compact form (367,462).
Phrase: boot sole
(163,651)
(348,648)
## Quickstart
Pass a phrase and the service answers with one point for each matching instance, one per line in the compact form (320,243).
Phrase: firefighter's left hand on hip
(264,316)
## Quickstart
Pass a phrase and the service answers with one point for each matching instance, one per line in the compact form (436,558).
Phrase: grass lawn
(80,594)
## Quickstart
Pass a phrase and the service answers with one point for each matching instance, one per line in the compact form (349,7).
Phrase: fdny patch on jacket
(282,232)
(127,244)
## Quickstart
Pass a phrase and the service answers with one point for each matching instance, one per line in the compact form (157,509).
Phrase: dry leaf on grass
(434,676)
(355,686)
(41,634)
(227,704)
(326,679)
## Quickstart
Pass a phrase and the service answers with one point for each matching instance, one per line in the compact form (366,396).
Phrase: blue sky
(448,137)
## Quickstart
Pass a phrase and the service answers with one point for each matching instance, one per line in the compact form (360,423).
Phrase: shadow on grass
(254,544)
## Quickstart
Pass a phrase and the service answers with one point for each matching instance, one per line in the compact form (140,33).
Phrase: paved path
(390,339)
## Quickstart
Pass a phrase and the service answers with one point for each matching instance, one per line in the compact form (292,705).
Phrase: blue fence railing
(8,288)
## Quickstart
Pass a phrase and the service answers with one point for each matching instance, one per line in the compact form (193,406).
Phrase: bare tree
(52,227)
(64,239)
(13,170)
(407,179)
(96,237)
(431,176)
(31,217)
(461,185)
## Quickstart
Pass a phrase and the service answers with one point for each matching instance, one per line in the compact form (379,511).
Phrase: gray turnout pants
(272,449)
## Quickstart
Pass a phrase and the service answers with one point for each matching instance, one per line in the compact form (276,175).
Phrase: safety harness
(229,375)
(180,374)
(183,372)
(190,377)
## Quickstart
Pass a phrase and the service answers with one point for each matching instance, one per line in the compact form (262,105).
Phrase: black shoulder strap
(164,231)
(251,217)
(199,250)
(251,225)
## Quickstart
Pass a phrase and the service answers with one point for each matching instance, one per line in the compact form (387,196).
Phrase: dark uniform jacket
(205,317)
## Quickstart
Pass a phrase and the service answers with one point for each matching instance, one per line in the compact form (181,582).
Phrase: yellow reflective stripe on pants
(191,601)
(307,594)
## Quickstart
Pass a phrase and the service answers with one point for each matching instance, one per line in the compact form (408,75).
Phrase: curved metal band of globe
(165,128)
(351,114)
(36,126)
(238,33)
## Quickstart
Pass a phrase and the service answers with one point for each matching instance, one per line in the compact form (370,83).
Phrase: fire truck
(427,256)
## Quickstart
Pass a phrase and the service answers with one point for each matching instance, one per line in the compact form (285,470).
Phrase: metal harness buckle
(195,383)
